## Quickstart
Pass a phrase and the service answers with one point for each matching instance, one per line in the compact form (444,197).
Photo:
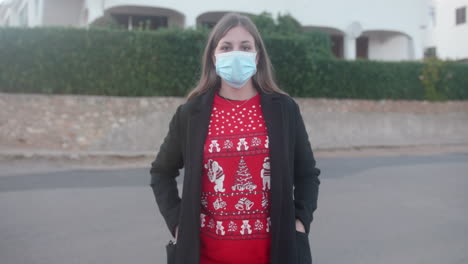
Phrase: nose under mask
(236,67)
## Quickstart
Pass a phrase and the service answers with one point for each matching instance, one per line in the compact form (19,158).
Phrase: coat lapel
(273,114)
(197,130)
(272,107)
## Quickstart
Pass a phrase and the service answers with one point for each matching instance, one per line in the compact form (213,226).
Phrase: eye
(225,48)
(246,48)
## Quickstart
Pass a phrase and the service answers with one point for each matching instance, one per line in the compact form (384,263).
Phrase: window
(362,47)
(208,24)
(141,21)
(430,52)
(337,45)
(460,15)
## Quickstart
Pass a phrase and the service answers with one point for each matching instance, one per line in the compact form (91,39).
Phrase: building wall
(371,14)
(59,12)
(22,13)
(410,19)
(450,39)
(5,15)
(390,47)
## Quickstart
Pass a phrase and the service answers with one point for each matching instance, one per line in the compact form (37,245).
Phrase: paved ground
(393,209)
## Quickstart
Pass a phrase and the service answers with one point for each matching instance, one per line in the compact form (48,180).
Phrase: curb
(18,154)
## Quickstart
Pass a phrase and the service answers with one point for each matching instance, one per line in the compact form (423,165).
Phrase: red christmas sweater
(235,226)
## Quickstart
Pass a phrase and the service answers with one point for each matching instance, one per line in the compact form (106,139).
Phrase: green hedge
(99,61)
(167,62)
(457,83)
(365,79)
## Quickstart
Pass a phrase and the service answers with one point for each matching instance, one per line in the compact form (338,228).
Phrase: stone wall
(118,124)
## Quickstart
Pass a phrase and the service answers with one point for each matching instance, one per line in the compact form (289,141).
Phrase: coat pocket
(171,252)
(304,254)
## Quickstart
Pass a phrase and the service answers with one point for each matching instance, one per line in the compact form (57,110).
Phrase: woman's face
(236,39)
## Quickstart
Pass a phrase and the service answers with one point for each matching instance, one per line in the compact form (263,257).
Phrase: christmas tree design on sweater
(243,179)
(235,199)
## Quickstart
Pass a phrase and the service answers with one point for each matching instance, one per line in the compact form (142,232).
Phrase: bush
(366,80)
(167,63)
(99,61)
(113,62)
(457,81)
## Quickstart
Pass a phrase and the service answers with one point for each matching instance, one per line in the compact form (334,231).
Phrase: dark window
(362,47)
(139,21)
(337,45)
(460,15)
(208,24)
(430,52)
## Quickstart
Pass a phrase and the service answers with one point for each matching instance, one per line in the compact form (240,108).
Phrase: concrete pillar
(411,48)
(190,20)
(353,31)
(349,47)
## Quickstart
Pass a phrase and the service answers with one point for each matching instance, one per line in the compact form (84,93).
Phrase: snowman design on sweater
(265,173)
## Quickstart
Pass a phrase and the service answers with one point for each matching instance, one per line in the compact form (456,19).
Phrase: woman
(250,186)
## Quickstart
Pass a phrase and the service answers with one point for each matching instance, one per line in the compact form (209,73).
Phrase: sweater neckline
(230,99)
(224,100)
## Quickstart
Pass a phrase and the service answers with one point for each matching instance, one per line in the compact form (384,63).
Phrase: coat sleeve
(164,169)
(306,181)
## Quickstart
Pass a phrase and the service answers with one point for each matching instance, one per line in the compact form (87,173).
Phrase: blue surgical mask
(236,67)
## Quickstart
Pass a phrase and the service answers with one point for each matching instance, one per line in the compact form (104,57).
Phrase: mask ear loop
(257,60)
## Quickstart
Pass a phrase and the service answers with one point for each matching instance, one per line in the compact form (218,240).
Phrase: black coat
(294,176)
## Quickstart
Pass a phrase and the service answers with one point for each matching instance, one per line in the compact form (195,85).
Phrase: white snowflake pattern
(258,225)
(202,220)
(255,142)
(232,227)
(211,223)
(204,201)
(228,144)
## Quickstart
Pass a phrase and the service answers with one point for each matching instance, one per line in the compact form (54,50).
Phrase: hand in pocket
(300,226)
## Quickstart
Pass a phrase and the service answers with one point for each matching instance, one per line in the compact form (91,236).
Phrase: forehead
(237,35)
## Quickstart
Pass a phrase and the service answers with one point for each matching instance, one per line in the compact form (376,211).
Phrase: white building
(373,29)
(447,30)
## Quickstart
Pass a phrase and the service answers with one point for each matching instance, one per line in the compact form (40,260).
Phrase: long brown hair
(263,78)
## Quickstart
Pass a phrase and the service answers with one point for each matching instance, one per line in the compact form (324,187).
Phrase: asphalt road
(405,209)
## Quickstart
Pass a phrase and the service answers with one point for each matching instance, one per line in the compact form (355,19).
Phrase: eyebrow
(245,41)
